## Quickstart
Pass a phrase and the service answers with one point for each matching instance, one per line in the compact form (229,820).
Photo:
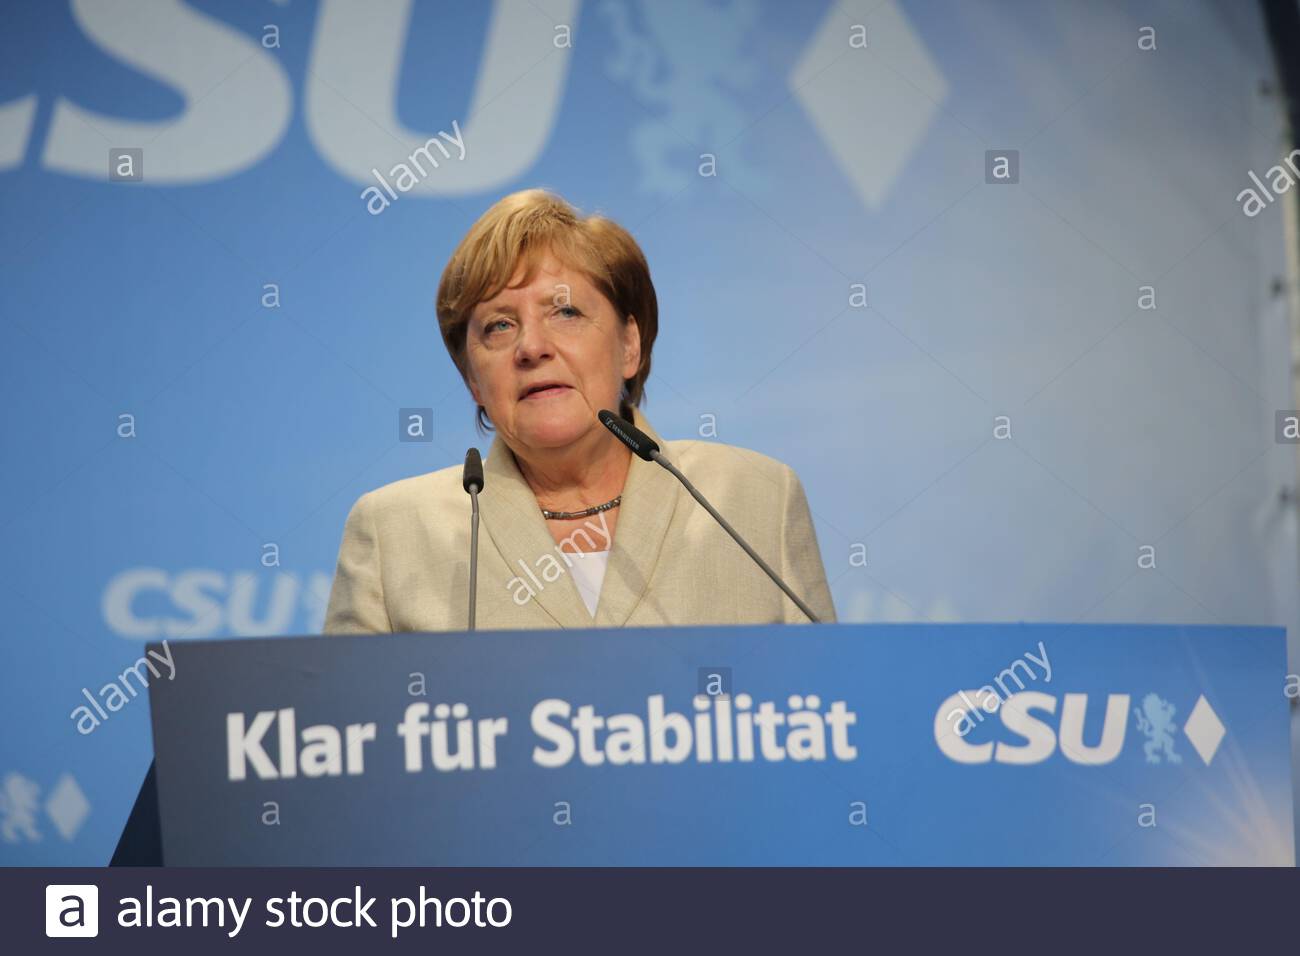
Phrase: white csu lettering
(209,602)
(1040,740)
(239,99)
(323,747)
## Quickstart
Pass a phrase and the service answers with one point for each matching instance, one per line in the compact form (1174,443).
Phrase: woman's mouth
(545,392)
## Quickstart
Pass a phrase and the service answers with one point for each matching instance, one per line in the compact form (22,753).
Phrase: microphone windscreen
(473,474)
(629,434)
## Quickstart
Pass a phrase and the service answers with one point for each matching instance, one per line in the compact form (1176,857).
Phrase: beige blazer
(403,565)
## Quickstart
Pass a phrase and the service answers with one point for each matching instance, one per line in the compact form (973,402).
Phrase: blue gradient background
(259,426)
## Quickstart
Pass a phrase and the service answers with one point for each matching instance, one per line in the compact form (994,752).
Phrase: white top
(588,574)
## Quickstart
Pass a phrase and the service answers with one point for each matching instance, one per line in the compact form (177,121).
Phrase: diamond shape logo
(1204,729)
(871,106)
(67,807)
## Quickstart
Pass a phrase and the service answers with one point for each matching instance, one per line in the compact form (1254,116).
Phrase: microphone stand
(472,480)
(735,535)
(645,448)
(473,554)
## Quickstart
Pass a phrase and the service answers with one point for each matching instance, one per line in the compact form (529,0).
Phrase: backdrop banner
(995,279)
(903,744)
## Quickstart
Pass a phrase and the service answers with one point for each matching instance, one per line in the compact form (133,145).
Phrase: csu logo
(239,98)
(152,603)
(684,69)
(1030,735)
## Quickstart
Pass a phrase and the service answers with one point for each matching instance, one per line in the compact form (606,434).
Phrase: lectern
(907,744)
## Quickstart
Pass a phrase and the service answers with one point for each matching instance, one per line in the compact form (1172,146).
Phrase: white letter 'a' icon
(351,100)
(237,96)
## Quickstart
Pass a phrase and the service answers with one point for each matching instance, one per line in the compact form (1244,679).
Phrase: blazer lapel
(649,501)
(514,523)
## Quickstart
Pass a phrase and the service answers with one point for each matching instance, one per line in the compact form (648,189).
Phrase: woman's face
(557,329)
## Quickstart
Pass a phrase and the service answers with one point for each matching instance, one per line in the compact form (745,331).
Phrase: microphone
(472,480)
(629,435)
(644,447)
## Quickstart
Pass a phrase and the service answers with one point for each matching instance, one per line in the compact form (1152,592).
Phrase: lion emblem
(1156,721)
(687,68)
(18,806)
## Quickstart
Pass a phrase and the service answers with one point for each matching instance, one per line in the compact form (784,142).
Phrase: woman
(549,318)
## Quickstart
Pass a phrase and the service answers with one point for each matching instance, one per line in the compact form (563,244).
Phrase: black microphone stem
(654,453)
(471,478)
(473,553)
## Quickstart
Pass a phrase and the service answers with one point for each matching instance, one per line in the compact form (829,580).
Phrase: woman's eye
(495,325)
(569,311)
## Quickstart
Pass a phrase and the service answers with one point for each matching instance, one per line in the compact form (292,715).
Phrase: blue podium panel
(836,744)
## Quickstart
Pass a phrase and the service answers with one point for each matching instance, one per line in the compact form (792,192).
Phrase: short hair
(519,229)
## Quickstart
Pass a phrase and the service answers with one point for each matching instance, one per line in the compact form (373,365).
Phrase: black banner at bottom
(642,910)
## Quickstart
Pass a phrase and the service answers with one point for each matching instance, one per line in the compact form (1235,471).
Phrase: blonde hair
(519,229)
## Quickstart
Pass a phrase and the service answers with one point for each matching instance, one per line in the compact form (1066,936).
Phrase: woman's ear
(631,347)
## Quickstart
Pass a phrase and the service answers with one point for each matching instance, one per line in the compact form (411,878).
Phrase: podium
(904,744)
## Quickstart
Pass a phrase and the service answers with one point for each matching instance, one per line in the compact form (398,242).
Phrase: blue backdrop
(992,415)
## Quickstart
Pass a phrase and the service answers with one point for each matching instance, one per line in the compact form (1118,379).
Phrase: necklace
(594,509)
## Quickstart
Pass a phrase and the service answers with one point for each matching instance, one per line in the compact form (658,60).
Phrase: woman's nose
(534,341)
